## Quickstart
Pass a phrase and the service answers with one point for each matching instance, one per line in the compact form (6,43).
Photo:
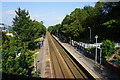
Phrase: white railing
(117,45)
(86,45)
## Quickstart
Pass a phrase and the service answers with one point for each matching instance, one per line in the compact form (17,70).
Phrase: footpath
(42,61)
(89,65)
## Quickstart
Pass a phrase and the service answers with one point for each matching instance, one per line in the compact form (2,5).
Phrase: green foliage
(108,48)
(11,63)
(109,22)
(104,20)
(113,22)
(118,52)
(39,39)
(26,29)
(54,29)
(25,32)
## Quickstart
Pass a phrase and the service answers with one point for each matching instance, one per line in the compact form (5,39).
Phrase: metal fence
(86,45)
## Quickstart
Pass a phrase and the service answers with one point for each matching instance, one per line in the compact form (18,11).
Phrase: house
(4,27)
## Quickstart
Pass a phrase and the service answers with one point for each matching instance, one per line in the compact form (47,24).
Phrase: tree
(104,20)
(76,30)
(25,32)
(22,26)
(113,22)
(26,29)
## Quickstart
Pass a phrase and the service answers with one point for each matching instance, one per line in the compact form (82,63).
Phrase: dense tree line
(22,43)
(103,19)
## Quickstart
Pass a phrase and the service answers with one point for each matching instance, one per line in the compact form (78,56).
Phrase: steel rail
(66,66)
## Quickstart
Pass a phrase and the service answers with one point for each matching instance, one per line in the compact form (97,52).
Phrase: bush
(108,48)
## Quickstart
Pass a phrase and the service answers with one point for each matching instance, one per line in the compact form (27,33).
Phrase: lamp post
(90,33)
(100,56)
(70,41)
(96,49)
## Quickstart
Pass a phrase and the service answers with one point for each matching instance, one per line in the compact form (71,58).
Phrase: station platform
(89,65)
(43,62)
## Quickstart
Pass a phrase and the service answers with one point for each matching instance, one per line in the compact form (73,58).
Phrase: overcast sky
(50,13)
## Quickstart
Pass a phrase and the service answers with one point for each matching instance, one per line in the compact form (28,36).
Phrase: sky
(51,13)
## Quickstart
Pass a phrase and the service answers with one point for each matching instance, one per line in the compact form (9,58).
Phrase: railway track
(62,65)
